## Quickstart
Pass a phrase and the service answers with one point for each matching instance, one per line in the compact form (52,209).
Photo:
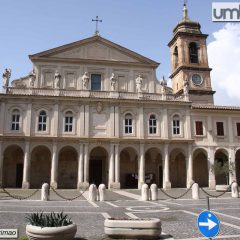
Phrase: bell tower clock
(189,61)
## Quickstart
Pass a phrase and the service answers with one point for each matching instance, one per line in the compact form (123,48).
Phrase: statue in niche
(57,79)
(32,78)
(85,80)
(113,81)
(6,77)
(139,83)
(186,87)
(99,107)
(163,84)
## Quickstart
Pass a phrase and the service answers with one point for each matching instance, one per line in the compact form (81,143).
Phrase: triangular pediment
(94,48)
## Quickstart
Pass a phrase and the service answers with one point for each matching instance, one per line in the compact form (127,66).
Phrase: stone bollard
(154,192)
(195,191)
(102,192)
(145,192)
(45,192)
(234,189)
(92,193)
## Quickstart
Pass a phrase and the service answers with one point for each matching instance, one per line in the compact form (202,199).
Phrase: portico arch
(221,157)
(129,168)
(154,167)
(178,173)
(237,166)
(98,166)
(68,168)
(40,168)
(13,167)
(200,167)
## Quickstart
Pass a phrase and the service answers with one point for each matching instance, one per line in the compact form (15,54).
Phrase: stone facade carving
(57,79)
(139,83)
(6,77)
(163,84)
(85,81)
(186,88)
(113,81)
(32,78)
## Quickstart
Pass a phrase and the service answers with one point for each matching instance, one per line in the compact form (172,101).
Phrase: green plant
(223,167)
(24,238)
(52,219)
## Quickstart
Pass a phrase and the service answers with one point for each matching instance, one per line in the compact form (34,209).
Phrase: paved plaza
(179,217)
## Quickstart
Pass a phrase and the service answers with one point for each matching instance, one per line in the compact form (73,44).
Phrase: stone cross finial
(97,21)
(185,11)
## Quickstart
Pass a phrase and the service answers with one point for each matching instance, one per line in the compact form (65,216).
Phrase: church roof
(56,52)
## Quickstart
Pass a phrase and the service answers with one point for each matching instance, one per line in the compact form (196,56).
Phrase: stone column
(1,164)
(141,167)
(111,166)
(190,167)
(141,123)
(166,182)
(26,167)
(86,164)
(80,167)
(54,166)
(232,163)
(212,180)
(165,123)
(28,120)
(117,167)
(116,121)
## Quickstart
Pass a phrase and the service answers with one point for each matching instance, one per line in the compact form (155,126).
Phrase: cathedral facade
(94,112)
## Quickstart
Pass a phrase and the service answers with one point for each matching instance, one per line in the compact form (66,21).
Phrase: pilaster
(80,167)
(212,180)
(166,182)
(141,167)
(54,166)
(26,167)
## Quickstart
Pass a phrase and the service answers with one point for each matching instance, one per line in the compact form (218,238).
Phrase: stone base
(54,185)
(212,184)
(167,185)
(25,185)
(83,185)
(114,185)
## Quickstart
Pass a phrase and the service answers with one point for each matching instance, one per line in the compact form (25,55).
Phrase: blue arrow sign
(208,224)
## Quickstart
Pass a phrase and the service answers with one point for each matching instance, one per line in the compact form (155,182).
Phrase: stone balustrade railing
(92,94)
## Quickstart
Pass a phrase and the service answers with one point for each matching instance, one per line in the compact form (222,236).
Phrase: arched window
(128,123)
(68,124)
(175,53)
(193,52)
(42,121)
(176,125)
(15,124)
(152,124)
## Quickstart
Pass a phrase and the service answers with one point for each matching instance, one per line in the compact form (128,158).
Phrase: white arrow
(210,224)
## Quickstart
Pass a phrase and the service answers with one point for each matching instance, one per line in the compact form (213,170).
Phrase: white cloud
(224,58)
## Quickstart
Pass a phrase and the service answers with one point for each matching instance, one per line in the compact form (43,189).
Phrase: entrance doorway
(19,175)
(95,172)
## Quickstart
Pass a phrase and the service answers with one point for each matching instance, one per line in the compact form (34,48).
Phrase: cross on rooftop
(96,20)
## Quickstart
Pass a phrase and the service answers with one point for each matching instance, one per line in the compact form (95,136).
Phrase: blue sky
(144,26)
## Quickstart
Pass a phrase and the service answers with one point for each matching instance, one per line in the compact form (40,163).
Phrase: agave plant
(52,219)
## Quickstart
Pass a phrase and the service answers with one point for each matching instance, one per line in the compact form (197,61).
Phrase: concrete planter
(149,228)
(222,188)
(51,233)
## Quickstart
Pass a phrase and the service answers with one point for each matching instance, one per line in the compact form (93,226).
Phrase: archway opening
(238,166)
(98,166)
(153,167)
(221,166)
(200,168)
(178,173)
(129,168)
(13,167)
(40,169)
(68,168)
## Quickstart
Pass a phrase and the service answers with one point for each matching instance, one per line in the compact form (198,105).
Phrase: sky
(144,26)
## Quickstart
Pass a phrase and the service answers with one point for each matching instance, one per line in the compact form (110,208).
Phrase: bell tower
(189,61)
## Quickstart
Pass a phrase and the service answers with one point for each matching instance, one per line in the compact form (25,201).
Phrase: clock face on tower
(197,79)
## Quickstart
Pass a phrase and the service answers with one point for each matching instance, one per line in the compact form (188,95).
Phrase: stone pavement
(179,217)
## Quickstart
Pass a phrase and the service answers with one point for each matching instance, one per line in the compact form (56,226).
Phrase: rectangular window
(176,127)
(15,122)
(238,129)
(68,124)
(152,126)
(220,129)
(96,82)
(199,128)
(42,120)
(128,126)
